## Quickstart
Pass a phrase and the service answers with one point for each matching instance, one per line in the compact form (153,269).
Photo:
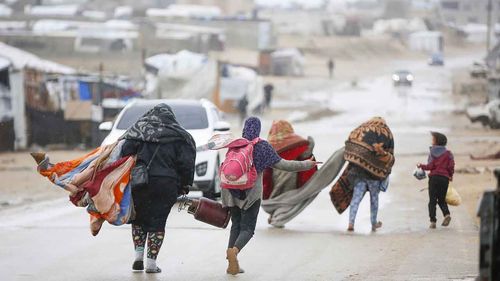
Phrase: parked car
(478,70)
(201,119)
(402,78)
(486,114)
(436,59)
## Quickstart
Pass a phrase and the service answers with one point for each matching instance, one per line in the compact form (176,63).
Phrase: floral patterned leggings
(155,240)
(373,186)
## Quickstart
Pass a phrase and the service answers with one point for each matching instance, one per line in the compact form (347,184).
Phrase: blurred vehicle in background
(478,70)
(436,59)
(402,78)
(202,119)
(486,114)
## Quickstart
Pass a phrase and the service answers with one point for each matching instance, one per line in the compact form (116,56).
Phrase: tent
(181,75)
(287,62)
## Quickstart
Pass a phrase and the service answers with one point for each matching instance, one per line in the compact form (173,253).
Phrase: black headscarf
(159,125)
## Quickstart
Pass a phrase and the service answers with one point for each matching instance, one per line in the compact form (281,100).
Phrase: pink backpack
(238,171)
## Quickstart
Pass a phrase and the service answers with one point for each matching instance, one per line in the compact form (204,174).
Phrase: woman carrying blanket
(158,140)
(289,146)
(370,152)
(245,204)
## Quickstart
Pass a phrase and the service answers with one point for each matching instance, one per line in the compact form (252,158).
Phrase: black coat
(175,160)
(171,169)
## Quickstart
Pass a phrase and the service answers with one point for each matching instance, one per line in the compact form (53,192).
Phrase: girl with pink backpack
(241,177)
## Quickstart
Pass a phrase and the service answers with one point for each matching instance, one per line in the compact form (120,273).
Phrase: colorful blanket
(342,190)
(289,146)
(371,147)
(98,180)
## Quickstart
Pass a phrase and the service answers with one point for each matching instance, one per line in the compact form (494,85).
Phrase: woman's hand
(184,190)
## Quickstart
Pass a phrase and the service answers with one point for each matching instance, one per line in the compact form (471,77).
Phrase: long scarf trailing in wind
(371,147)
(98,180)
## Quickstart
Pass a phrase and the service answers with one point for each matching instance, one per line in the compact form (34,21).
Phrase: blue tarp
(84,89)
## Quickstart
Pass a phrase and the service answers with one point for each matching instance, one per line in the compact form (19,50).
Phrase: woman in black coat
(160,142)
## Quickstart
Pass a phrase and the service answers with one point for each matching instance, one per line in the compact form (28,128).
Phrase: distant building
(228,7)
(462,12)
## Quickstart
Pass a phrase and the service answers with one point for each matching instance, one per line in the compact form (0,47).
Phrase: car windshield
(402,72)
(191,117)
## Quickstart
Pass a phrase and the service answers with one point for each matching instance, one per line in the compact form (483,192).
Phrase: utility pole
(489,7)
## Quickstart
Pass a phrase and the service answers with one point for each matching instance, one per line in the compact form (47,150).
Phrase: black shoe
(138,265)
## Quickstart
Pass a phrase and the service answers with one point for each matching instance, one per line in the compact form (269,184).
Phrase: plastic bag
(419,174)
(452,197)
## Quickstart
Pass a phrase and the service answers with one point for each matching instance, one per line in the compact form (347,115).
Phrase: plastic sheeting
(181,75)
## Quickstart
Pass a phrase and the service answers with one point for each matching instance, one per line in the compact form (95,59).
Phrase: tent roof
(21,59)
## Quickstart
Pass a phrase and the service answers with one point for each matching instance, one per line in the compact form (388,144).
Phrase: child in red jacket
(441,166)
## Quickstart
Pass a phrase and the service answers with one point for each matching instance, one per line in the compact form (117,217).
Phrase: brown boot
(433,225)
(350,227)
(446,220)
(377,225)
(233,267)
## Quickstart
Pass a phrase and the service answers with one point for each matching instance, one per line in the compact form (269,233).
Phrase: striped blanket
(98,181)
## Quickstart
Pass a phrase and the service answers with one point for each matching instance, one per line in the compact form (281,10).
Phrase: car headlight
(409,77)
(201,169)
(395,77)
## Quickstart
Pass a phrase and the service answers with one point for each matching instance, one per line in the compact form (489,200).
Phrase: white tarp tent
(19,59)
(181,75)
(241,81)
(52,10)
(426,41)
(185,11)
(287,62)
(5,11)
(5,96)
(399,25)
(476,32)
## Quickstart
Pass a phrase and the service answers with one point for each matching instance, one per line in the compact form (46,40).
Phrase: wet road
(51,241)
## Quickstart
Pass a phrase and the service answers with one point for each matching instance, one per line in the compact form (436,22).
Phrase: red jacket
(444,165)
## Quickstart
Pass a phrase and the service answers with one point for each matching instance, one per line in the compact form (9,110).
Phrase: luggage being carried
(207,211)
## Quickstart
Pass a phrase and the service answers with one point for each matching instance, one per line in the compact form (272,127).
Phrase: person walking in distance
(268,94)
(331,67)
(242,107)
